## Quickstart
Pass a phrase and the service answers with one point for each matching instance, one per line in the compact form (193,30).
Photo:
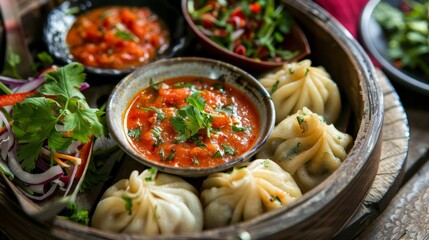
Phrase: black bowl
(375,43)
(62,18)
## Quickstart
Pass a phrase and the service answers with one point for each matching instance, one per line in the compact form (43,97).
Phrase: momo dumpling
(297,85)
(248,191)
(306,147)
(149,203)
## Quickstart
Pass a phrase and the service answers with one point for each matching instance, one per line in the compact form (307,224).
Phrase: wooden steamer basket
(321,212)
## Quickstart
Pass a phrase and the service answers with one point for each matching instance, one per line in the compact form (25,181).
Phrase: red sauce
(117,37)
(153,122)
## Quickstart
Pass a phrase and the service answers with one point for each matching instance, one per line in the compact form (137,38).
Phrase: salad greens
(407,31)
(253,28)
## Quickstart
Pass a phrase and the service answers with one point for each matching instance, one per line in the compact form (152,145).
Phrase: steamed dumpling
(297,85)
(149,203)
(248,191)
(306,147)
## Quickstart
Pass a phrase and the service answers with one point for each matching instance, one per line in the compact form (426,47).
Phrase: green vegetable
(229,150)
(35,118)
(407,33)
(128,203)
(160,115)
(12,62)
(135,133)
(76,214)
(191,118)
(236,128)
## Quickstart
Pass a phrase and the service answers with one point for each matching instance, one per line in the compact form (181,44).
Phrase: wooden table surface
(407,214)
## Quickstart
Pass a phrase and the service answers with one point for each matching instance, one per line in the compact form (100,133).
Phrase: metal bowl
(161,70)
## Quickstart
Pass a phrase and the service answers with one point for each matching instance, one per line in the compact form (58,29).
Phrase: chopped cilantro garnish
(182,85)
(236,128)
(160,115)
(135,133)
(266,163)
(152,175)
(300,119)
(217,154)
(198,142)
(156,133)
(229,150)
(195,161)
(229,109)
(153,85)
(171,156)
(128,203)
(275,86)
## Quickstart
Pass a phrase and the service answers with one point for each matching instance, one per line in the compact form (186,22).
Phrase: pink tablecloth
(345,11)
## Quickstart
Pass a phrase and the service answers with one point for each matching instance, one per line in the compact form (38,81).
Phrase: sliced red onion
(12,81)
(39,189)
(42,164)
(237,34)
(48,176)
(7,138)
(84,86)
(30,85)
(72,175)
(47,194)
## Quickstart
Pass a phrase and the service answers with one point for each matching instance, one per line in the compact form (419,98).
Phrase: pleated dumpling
(149,203)
(306,147)
(297,85)
(249,190)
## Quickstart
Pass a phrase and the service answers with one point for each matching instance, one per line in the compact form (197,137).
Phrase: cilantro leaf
(229,150)
(128,203)
(65,82)
(135,133)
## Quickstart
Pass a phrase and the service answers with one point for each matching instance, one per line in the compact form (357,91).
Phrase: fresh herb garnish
(12,62)
(128,203)
(135,133)
(154,86)
(156,133)
(228,109)
(265,163)
(35,118)
(152,172)
(236,128)
(171,156)
(191,118)
(276,198)
(125,34)
(275,86)
(217,154)
(195,161)
(182,85)
(229,150)
(218,86)
(198,142)
(160,115)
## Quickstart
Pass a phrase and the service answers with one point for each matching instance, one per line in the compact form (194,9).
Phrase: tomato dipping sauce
(117,37)
(191,122)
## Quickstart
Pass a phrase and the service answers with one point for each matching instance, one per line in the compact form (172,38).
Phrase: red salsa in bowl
(117,37)
(190,116)
(191,122)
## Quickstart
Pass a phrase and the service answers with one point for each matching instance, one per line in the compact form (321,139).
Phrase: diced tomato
(237,12)
(12,99)
(240,49)
(220,122)
(255,7)
(207,20)
(174,96)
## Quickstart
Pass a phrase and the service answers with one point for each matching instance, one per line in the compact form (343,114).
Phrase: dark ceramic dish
(61,19)
(161,70)
(296,41)
(376,44)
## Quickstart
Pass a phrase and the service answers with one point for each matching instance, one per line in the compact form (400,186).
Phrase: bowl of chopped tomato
(112,37)
(256,36)
(190,116)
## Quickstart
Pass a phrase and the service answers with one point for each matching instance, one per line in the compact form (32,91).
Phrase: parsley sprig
(61,104)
